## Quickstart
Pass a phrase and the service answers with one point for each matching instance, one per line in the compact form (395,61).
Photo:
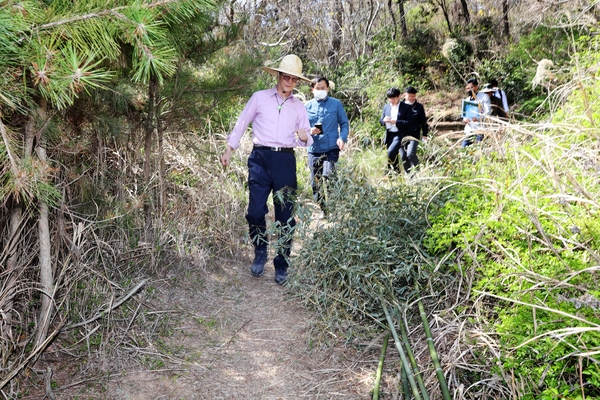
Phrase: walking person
(329,130)
(388,119)
(497,109)
(413,130)
(279,124)
(500,94)
(405,122)
(474,124)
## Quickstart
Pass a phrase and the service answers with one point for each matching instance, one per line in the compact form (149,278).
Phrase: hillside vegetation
(500,241)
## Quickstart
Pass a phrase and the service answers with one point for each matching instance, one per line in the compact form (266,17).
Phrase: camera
(319,126)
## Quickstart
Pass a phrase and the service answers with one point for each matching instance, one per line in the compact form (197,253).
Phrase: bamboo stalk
(405,388)
(413,361)
(380,367)
(434,357)
(405,365)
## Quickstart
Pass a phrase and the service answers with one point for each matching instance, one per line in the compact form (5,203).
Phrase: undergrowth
(500,239)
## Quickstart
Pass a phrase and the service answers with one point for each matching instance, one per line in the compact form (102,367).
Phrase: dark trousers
(408,154)
(317,164)
(469,141)
(392,141)
(272,171)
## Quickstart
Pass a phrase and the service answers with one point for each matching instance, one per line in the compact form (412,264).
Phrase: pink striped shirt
(274,121)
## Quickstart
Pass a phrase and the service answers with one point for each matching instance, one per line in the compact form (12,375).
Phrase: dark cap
(411,90)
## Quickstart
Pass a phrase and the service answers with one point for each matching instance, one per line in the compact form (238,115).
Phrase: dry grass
(200,326)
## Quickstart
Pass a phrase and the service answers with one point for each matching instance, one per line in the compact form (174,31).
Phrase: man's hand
(226,157)
(340,143)
(302,135)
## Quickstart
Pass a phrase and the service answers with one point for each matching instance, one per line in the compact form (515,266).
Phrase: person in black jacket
(404,128)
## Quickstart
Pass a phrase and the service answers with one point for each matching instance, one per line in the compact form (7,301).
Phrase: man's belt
(284,149)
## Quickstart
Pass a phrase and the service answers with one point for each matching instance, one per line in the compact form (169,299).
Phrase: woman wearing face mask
(329,130)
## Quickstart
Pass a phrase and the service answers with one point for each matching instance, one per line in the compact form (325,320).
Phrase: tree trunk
(45,252)
(505,19)
(402,19)
(466,14)
(444,6)
(394,23)
(161,159)
(336,34)
(45,259)
(11,249)
(10,280)
(9,273)
(150,126)
(373,11)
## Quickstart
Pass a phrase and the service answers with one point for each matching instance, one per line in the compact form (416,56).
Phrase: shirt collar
(273,92)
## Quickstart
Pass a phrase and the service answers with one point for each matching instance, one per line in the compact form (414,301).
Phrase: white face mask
(410,103)
(320,94)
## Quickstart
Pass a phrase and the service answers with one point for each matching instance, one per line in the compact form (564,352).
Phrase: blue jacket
(411,119)
(330,112)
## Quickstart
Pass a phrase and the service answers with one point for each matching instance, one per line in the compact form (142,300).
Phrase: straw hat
(291,65)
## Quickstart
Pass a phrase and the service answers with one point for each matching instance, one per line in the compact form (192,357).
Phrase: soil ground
(233,336)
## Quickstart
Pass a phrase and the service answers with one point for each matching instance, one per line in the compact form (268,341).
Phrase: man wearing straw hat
(279,124)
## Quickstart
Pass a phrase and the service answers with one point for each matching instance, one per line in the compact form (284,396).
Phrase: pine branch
(112,12)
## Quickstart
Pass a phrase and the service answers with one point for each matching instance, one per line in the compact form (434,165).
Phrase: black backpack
(497,108)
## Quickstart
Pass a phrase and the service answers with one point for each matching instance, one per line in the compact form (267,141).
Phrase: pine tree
(51,54)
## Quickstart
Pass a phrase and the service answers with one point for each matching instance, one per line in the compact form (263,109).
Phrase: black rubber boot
(281,266)
(258,265)
(281,277)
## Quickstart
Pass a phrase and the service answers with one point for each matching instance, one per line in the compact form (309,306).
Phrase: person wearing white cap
(500,94)
(279,124)
(497,108)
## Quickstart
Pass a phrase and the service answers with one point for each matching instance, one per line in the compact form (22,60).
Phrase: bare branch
(115,305)
(278,43)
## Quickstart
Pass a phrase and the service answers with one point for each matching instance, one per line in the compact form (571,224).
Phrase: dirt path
(238,337)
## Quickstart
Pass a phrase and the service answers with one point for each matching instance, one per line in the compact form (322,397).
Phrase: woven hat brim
(275,71)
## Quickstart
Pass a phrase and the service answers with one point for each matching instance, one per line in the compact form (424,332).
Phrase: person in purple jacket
(279,124)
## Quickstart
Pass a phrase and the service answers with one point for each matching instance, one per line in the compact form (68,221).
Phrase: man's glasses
(289,78)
